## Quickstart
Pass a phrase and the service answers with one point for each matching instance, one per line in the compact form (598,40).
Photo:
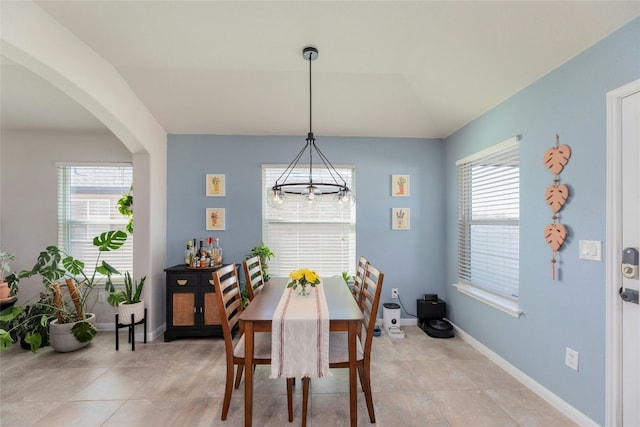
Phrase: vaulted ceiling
(385,68)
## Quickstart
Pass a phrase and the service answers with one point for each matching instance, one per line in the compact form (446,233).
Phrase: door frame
(613,359)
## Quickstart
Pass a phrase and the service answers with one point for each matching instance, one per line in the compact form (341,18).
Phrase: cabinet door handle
(181,282)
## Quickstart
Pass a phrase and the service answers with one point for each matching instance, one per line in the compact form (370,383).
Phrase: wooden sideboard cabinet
(192,309)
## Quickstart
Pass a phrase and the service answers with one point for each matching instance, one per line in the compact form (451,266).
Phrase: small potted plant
(348,279)
(128,301)
(6,291)
(31,326)
(265,255)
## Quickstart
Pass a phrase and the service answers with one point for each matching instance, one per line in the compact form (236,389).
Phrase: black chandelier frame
(310,189)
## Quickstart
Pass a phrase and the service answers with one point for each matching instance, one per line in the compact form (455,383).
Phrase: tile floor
(417,381)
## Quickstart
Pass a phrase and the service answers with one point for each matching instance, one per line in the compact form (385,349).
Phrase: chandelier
(310,189)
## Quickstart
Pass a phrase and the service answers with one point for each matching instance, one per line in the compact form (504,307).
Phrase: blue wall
(411,260)
(570,311)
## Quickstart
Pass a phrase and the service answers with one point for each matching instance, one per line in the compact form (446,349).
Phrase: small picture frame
(400,185)
(400,218)
(215,219)
(215,185)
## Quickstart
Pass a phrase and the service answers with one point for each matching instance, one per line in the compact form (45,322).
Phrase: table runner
(300,335)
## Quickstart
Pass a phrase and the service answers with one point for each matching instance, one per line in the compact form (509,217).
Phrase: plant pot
(125,311)
(45,341)
(4,291)
(62,339)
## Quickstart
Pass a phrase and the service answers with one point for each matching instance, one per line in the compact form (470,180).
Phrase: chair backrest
(229,300)
(253,276)
(358,282)
(370,299)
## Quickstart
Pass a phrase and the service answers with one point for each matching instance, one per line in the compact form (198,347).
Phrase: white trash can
(391,315)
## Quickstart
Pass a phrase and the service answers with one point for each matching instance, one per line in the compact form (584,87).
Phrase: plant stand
(132,328)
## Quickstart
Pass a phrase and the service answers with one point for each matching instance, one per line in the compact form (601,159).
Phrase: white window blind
(321,237)
(488,219)
(87,207)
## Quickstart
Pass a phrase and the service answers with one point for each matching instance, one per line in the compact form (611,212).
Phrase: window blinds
(321,237)
(87,207)
(488,219)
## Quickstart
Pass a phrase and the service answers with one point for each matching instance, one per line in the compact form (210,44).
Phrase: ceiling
(385,68)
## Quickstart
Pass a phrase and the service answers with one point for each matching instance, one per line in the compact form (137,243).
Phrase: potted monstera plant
(71,325)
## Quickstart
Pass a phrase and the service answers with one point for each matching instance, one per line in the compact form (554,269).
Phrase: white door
(623,237)
(631,242)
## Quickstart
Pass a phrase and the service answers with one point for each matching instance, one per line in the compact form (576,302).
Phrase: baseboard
(544,393)
(408,321)
(151,335)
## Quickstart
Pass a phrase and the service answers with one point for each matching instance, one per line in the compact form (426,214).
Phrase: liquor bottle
(210,262)
(217,252)
(195,259)
(187,254)
(203,254)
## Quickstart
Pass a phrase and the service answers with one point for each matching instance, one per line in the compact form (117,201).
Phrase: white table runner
(300,335)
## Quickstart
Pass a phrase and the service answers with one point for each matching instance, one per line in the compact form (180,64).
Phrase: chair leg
(117,341)
(239,375)
(361,376)
(305,399)
(290,397)
(228,389)
(366,386)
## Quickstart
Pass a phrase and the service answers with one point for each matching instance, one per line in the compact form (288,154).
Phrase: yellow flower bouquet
(303,278)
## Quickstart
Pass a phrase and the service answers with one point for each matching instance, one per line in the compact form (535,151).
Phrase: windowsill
(495,301)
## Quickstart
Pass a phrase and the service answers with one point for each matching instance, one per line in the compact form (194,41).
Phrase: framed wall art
(399,185)
(400,218)
(215,219)
(215,185)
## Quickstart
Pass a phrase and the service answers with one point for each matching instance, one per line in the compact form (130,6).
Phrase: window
(87,206)
(322,237)
(488,225)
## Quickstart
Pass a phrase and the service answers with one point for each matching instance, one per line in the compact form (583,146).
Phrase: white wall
(28,213)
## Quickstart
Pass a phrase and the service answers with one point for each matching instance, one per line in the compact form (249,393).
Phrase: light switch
(590,250)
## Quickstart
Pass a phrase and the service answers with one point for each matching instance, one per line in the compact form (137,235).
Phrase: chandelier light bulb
(277,198)
(346,198)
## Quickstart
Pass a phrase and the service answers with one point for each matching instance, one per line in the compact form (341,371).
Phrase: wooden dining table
(344,315)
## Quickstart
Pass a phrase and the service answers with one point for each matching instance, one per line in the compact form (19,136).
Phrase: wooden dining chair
(227,290)
(339,344)
(253,276)
(358,281)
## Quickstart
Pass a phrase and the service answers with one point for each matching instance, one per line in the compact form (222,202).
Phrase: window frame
(122,259)
(501,301)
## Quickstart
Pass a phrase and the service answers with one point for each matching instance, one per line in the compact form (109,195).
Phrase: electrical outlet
(102,297)
(571,358)
(394,293)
